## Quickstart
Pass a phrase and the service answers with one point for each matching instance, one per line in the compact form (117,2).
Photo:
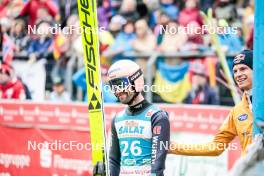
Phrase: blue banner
(258,64)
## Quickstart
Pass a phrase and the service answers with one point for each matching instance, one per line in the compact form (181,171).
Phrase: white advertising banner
(34,76)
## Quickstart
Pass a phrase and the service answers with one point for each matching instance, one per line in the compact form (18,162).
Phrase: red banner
(53,139)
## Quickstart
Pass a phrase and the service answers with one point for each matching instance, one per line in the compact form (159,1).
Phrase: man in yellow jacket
(239,121)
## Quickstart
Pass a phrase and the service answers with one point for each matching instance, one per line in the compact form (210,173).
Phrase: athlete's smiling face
(243,76)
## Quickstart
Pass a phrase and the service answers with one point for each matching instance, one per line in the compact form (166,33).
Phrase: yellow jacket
(238,123)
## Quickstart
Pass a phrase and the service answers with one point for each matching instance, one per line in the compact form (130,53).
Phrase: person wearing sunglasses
(137,132)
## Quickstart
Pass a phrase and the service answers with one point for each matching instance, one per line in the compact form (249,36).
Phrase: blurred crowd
(126,26)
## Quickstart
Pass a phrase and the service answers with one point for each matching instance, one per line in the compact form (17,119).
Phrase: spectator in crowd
(248,18)
(201,92)
(10,86)
(10,8)
(41,46)
(206,4)
(66,9)
(5,24)
(172,40)
(167,7)
(115,6)
(143,10)
(145,40)
(225,9)
(36,9)
(103,13)
(43,15)
(170,8)
(190,13)
(163,20)
(59,94)
(153,7)
(74,37)
(195,40)
(67,51)
(26,88)
(19,36)
(249,39)
(3,9)
(107,37)
(128,10)
(122,43)
(116,24)
(60,47)
(195,35)
(248,24)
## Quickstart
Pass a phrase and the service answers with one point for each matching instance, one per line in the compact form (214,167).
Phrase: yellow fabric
(172,92)
(106,38)
(248,13)
(231,128)
(58,43)
(211,65)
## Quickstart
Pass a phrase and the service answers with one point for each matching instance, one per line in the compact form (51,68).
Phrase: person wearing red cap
(238,122)
(10,86)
